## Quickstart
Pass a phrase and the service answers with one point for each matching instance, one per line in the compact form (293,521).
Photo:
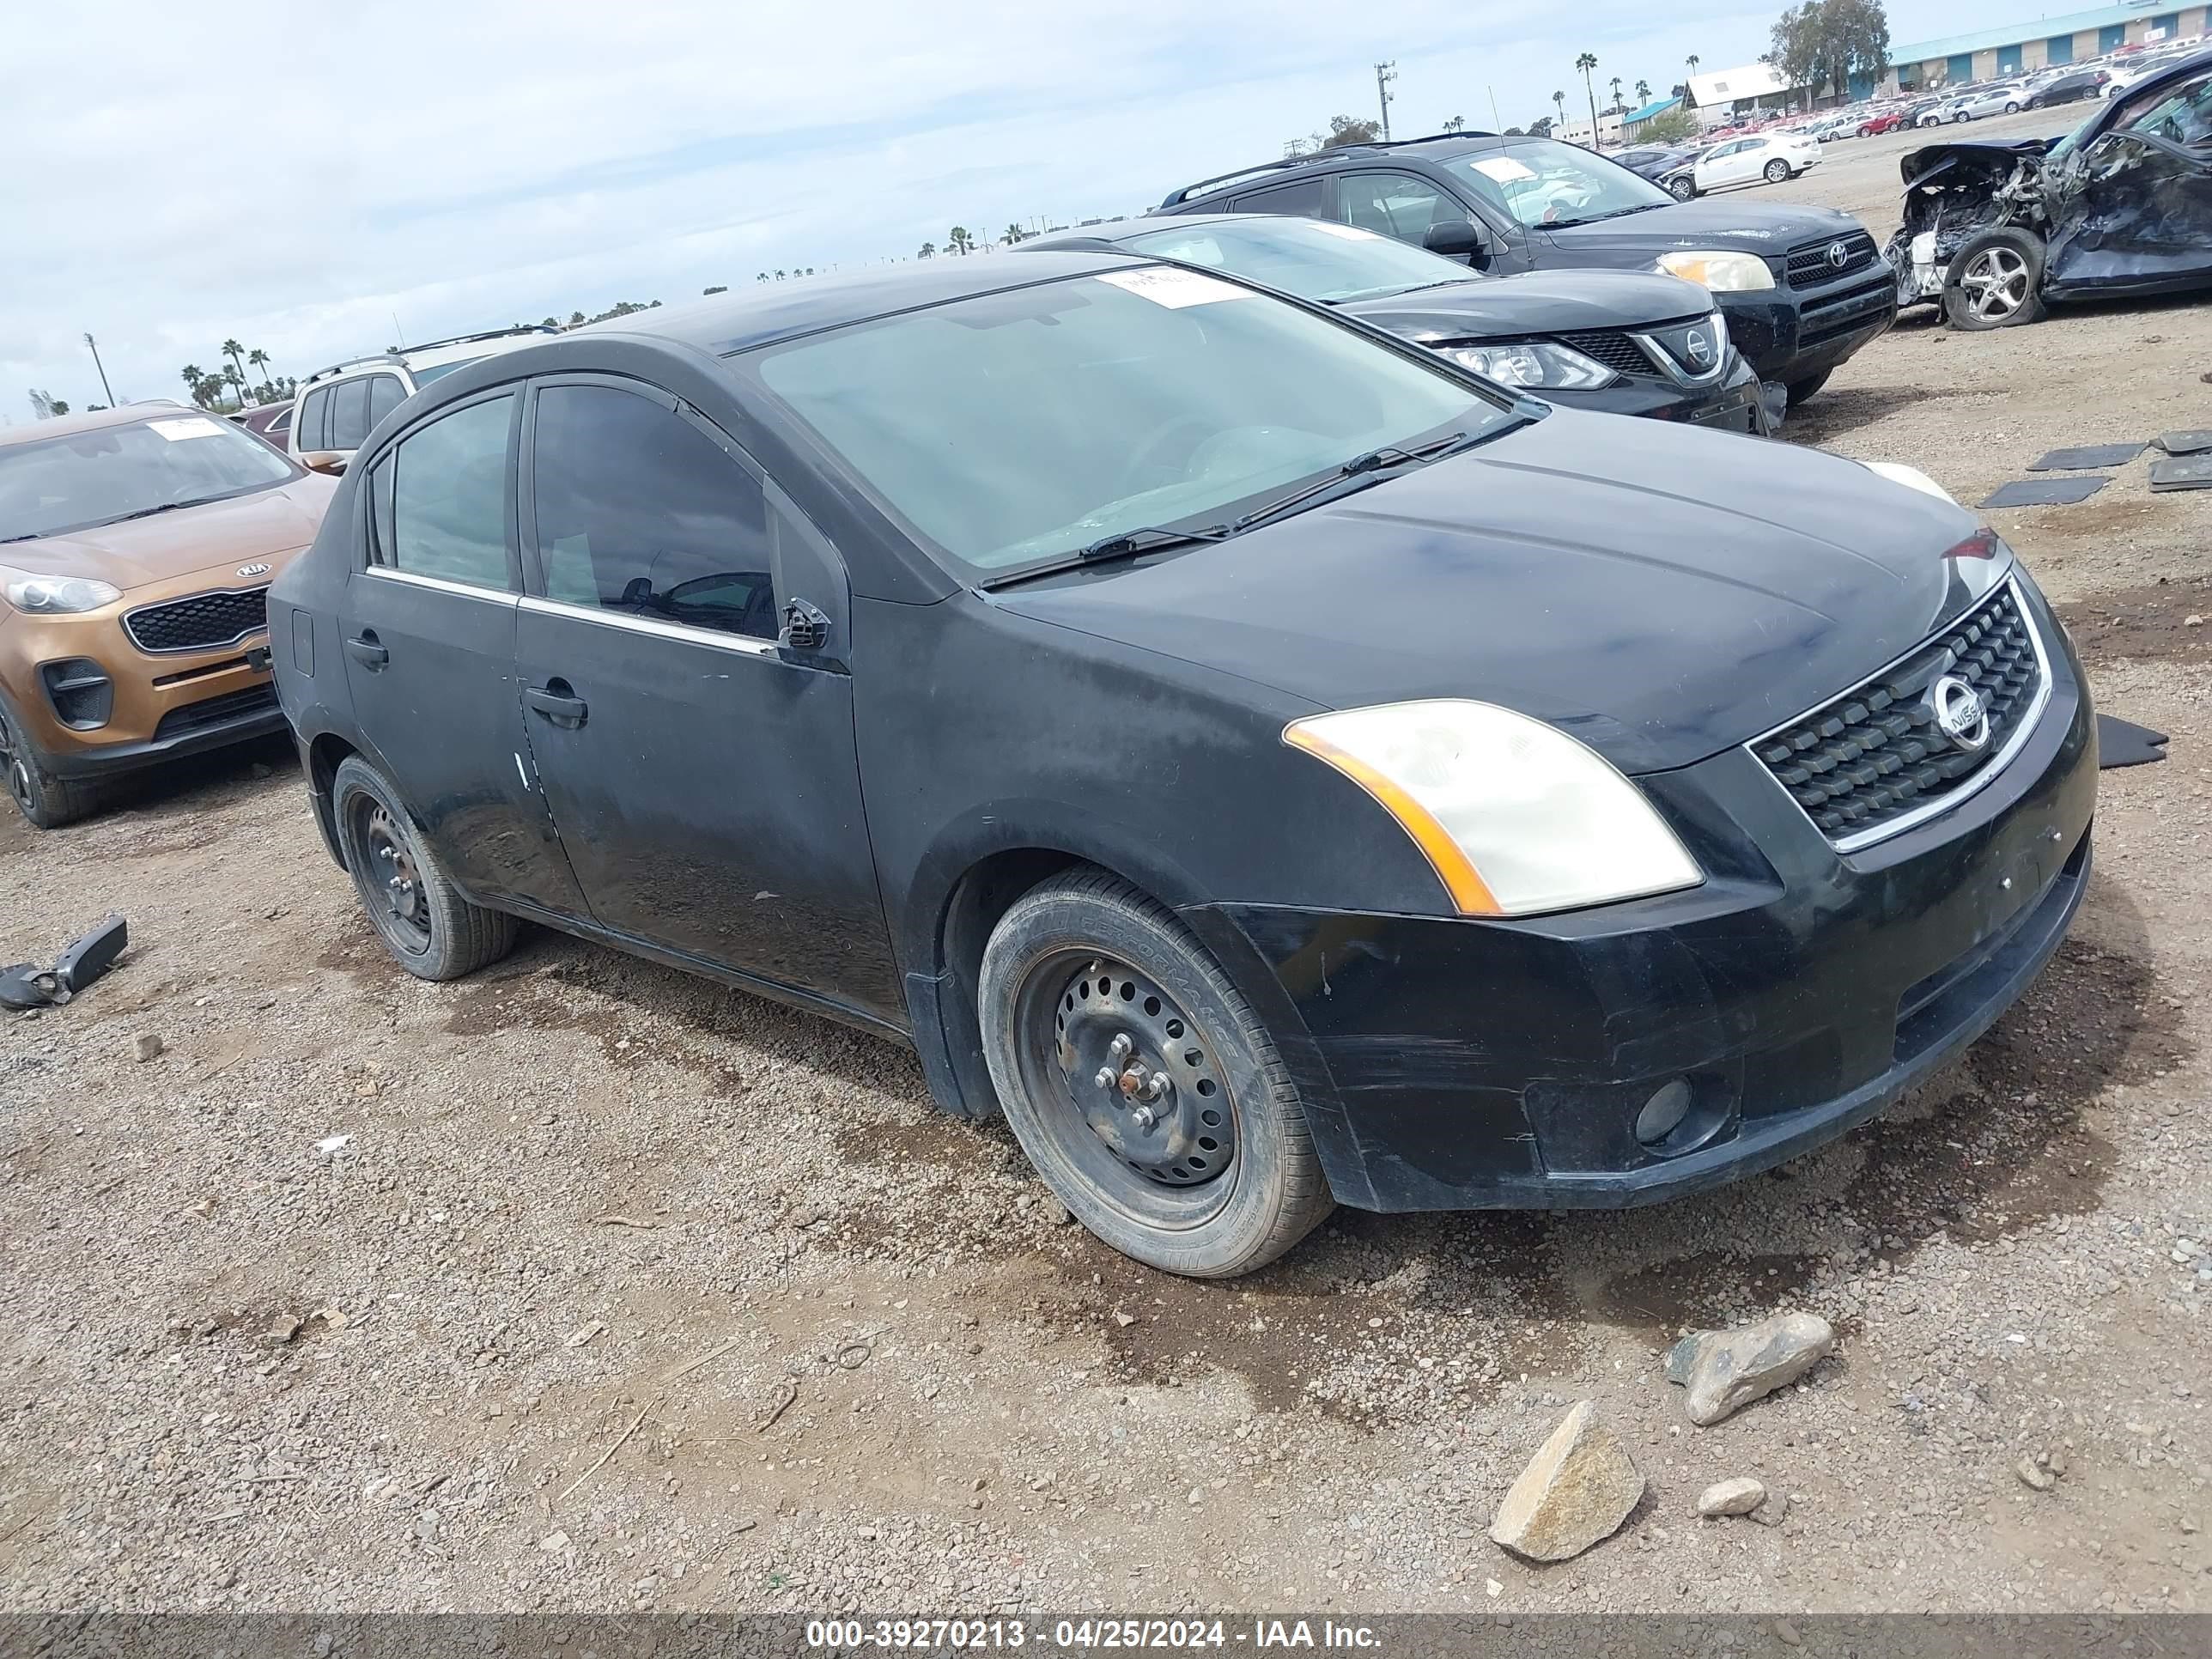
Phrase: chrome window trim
(745,643)
(440,584)
(131,634)
(1967,791)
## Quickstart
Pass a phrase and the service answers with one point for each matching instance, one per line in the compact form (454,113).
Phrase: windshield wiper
(1359,467)
(1610,213)
(1121,544)
(165,507)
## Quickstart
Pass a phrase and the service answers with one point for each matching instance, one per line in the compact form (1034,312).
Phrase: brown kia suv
(137,546)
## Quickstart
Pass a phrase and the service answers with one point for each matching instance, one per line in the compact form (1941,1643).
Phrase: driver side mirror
(1459,239)
(331,462)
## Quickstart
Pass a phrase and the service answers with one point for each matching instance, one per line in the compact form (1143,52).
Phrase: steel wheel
(387,852)
(1996,283)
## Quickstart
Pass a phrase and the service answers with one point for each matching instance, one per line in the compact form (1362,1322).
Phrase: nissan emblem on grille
(1958,714)
(1699,345)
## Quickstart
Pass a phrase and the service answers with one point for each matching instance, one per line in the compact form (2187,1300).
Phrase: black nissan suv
(1803,288)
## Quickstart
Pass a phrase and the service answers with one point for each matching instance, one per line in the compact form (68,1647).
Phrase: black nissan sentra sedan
(1625,342)
(1270,764)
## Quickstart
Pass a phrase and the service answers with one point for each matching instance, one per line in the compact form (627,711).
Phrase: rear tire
(1995,281)
(49,802)
(429,928)
(1084,977)
(1776,171)
(1682,189)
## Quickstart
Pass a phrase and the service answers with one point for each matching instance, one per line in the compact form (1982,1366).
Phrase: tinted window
(639,511)
(348,414)
(448,489)
(281,425)
(314,416)
(1308,197)
(1394,204)
(385,393)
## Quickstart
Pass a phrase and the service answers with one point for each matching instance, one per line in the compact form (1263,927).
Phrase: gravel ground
(624,1291)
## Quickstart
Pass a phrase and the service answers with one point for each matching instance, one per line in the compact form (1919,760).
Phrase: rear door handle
(556,700)
(367,650)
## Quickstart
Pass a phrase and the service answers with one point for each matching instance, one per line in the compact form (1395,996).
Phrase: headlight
(1723,272)
(1516,816)
(1911,476)
(1532,363)
(55,596)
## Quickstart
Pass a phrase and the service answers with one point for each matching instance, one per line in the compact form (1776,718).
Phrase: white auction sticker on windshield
(1174,289)
(1502,168)
(189,426)
(1350,232)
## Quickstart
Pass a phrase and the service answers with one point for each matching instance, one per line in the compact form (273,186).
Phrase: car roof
(62,425)
(1438,146)
(744,319)
(1116,230)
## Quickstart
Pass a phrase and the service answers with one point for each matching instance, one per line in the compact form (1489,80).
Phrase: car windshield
(1304,257)
(1542,181)
(1020,427)
(54,485)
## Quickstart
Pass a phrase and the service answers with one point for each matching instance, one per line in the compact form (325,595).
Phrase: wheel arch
(326,752)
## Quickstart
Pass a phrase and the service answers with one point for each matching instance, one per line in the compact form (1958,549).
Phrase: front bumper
(1460,1063)
(1792,334)
(1729,404)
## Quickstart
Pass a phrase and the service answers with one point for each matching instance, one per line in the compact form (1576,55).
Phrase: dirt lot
(595,1222)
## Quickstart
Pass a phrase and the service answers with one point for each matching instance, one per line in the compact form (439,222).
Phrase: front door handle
(557,701)
(368,651)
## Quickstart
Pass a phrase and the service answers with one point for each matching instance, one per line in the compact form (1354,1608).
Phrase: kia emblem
(254,570)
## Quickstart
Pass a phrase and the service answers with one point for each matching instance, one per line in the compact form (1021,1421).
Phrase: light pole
(102,367)
(1384,75)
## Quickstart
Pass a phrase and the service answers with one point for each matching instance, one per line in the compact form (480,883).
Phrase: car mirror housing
(1458,239)
(329,462)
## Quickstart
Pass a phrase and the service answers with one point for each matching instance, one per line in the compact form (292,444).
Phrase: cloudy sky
(307,177)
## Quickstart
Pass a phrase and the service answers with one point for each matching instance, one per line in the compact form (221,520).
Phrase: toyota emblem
(1839,254)
(1958,714)
(254,570)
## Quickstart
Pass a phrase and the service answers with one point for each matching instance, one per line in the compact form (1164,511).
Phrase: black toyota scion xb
(1271,765)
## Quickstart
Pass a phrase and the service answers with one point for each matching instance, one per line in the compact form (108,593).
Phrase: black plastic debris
(2087,455)
(2044,492)
(2182,472)
(2123,742)
(2184,443)
(83,960)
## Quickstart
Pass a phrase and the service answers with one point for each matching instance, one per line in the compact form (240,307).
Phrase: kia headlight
(1517,818)
(55,596)
(1718,268)
(1539,364)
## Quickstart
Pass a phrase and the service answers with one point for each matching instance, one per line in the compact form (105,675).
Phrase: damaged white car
(2121,206)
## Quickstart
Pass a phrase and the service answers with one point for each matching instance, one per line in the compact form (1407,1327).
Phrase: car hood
(1548,303)
(1663,594)
(1918,167)
(1726,222)
(243,530)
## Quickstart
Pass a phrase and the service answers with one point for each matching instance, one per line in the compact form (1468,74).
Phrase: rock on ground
(1725,1370)
(1738,1496)
(1576,1491)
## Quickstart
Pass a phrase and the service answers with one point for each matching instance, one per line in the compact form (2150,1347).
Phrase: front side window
(350,414)
(314,420)
(2180,114)
(1540,181)
(159,464)
(446,486)
(1016,427)
(639,511)
(1313,260)
(1396,204)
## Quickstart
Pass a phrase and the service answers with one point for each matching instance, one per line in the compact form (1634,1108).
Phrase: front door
(1724,164)
(1405,206)
(703,777)
(2134,205)
(427,630)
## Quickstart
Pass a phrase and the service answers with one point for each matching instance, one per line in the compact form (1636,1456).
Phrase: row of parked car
(1225,687)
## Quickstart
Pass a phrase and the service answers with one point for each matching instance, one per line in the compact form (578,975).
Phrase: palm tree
(1012,235)
(1616,93)
(761,277)
(1643,93)
(194,377)
(1691,60)
(779,276)
(1457,124)
(927,251)
(1560,99)
(259,358)
(235,352)
(957,239)
(1586,64)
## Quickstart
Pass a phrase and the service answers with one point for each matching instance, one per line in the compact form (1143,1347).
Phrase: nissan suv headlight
(55,596)
(1719,269)
(1516,816)
(1538,363)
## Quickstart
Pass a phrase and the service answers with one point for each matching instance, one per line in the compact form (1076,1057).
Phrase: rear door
(703,777)
(427,630)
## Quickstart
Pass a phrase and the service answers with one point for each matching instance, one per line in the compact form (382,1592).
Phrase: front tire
(1995,281)
(1141,1085)
(1682,189)
(429,928)
(49,802)
(1776,171)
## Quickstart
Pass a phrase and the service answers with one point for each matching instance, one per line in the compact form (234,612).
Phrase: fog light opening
(1664,1113)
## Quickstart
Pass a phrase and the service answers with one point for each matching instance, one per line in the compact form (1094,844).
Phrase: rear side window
(1306,198)
(639,511)
(282,425)
(384,395)
(441,497)
(314,416)
(348,414)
